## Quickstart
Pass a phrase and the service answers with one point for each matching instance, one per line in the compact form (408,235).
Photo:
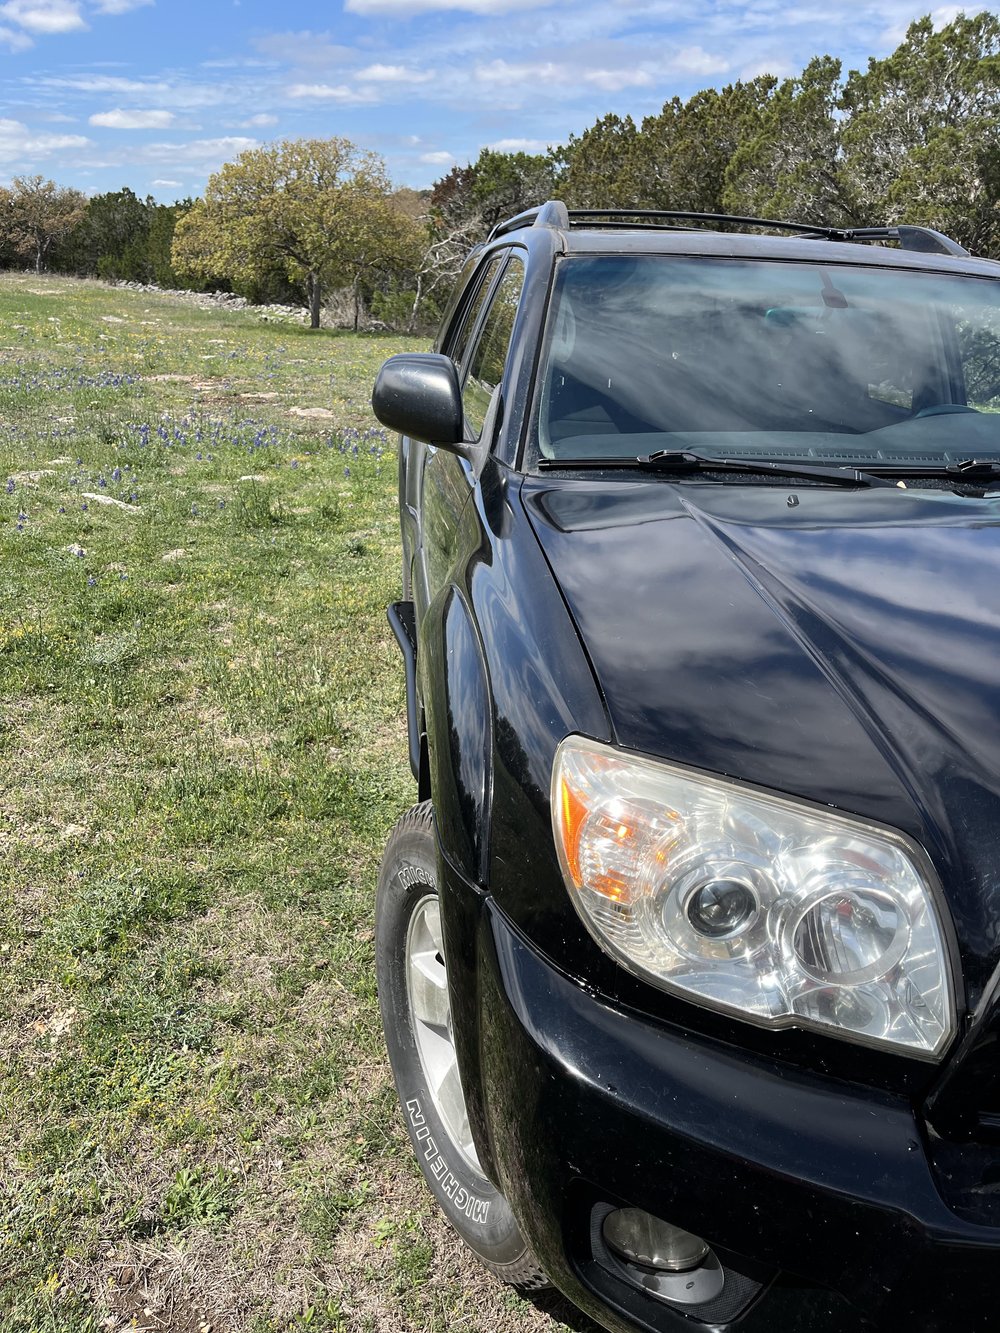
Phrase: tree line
(913,138)
(117,236)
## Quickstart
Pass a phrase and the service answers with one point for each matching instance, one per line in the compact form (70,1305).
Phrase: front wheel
(416,1016)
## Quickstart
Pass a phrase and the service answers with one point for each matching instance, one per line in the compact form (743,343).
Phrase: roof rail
(552,214)
(909,237)
(630,217)
(555,214)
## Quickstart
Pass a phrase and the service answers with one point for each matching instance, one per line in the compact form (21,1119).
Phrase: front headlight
(777,912)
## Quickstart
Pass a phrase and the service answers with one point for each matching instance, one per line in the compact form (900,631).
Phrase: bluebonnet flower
(116,474)
(62,509)
(10,485)
(90,580)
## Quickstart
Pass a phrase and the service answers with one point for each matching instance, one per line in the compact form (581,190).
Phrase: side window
(459,340)
(490,353)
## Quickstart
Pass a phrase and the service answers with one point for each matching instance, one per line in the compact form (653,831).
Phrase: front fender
(459,733)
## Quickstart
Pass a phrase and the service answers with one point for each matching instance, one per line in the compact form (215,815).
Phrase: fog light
(640,1238)
(661,1259)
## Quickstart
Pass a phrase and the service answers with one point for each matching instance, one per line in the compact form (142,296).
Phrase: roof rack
(552,214)
(556,214)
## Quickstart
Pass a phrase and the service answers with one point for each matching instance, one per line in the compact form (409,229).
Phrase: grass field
(203,746)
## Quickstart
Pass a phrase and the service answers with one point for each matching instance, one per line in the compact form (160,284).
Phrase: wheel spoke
(430,1013)
(452,1101)
(429,991)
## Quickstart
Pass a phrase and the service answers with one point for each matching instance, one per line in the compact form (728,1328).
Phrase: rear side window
(490,353)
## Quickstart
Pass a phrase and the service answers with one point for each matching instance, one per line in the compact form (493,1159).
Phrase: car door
(413,454)
(443,480)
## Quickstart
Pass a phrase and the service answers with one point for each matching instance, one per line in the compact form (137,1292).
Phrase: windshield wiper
(683,461)
(968,469)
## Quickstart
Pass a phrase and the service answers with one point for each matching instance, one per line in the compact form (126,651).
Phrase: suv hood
(840,646)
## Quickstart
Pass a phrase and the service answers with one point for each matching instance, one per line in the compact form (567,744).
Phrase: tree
(474,198)
(376,242)
(790,167)
(676,159)
(680,157)
(316,209)
(508,183)
(36,214)
(600,166)
(921,133)
(160,239)
(110,238)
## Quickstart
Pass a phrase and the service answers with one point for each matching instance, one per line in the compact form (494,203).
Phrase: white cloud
(519,146)
(304,49)
(105,83)
(170,185)
(946,14)
(506,74)
(176,95)
(44,16)
(15,41)
(259,121)
(394,74)
(18,143)
(613,80)
(121,6)
(325,92)
(940,17)
(440,159)
(423,6)
(202,152)
(133,120)
(694,60)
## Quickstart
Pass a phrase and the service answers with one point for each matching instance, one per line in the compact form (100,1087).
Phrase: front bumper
(817,1196)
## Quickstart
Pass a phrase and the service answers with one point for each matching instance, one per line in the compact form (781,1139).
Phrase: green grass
(202,747)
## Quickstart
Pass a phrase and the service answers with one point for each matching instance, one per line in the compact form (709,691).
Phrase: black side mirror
(418,394)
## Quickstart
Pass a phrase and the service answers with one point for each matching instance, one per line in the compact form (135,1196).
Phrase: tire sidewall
(476,1209)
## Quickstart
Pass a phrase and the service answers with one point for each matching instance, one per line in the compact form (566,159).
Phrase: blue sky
(156,94)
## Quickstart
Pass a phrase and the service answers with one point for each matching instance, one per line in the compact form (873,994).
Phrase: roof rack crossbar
(555,214)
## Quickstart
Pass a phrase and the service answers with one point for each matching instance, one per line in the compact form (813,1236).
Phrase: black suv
(688,958)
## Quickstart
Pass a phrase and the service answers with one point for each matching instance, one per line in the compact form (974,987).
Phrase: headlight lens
(775,911)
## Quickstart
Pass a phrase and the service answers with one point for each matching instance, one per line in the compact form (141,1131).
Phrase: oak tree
(317,209)
(36,214)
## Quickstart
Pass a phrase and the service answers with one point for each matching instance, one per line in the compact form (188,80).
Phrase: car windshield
(775,360)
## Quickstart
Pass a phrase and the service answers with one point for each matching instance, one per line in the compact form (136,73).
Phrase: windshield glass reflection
(769,360)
